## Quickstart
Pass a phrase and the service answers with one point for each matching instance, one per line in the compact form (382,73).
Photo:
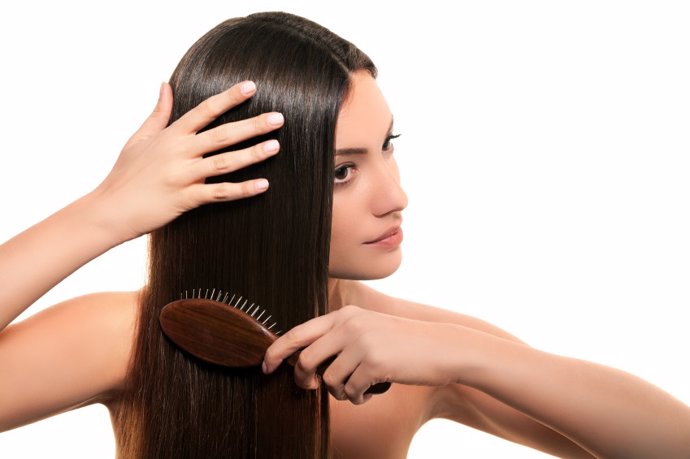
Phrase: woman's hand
(371,347)
(161,170)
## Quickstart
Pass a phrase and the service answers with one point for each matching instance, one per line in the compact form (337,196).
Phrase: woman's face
(367,197)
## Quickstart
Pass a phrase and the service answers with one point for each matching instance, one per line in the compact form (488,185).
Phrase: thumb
(158,120)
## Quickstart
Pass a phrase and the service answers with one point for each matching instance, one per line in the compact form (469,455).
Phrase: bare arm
(488,379)
(69,355)
(76,352)
(608,412)
(525,397)
(40,257)
(159,175)
(533,397)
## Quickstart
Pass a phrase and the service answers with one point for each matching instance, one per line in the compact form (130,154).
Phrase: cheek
(342,224)
(346,229)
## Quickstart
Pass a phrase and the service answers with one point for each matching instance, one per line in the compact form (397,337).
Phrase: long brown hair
(272,248)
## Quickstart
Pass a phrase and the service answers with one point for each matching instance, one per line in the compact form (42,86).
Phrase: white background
(545,151)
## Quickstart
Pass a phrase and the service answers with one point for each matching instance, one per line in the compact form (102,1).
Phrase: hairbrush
(226,330)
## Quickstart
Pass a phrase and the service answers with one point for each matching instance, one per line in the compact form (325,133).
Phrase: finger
(161,114)
(226,191)
(158,120)
(297,338)
(232,133)
(360,380)
(339,372)
(210,109)
(317,356)
(229,162)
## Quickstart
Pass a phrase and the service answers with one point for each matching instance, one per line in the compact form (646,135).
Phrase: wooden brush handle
(378,388)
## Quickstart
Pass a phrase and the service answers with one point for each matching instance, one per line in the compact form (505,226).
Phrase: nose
(388,194)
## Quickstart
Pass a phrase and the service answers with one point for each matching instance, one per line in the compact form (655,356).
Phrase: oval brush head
(225,331)
(218,331)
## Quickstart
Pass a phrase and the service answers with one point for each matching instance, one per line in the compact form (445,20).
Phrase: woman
(491,381)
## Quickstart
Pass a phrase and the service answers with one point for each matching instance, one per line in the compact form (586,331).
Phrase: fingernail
(160,91)
(271,146)
(247,88)
(264,367)
(275,119)
(261,185)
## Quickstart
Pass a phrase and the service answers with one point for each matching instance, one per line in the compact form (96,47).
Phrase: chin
(367,270)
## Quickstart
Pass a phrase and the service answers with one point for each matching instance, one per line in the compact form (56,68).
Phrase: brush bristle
(213,296)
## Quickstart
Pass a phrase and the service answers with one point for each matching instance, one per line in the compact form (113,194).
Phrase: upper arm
(69,355)
(477,409)
(428,313)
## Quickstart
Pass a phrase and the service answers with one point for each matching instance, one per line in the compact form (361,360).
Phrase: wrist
(477,355)
(102,218)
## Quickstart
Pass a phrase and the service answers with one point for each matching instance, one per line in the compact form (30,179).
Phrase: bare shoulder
(381,302)
(465,404)
(100,309)
(73,353)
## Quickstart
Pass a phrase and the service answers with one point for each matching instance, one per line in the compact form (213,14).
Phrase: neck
(339,293)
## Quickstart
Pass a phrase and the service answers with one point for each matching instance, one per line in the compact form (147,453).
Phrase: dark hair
(272,248)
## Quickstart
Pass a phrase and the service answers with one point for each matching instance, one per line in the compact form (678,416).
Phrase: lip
(392,237)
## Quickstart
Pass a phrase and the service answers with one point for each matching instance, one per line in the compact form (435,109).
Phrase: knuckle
(306,362)
(339,394)
(172,180)
(375,359)
(355,323)
(186,199)
(220,163)
(222,191)
(193,196)
(258,152)
(300,381)
(330,379)
(350,391)
(258,124)
(248,189)
(358,401)
(292,335)
(217,135)
(211,106)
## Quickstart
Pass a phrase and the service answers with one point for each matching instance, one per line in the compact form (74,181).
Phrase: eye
(388,144)
(344,173)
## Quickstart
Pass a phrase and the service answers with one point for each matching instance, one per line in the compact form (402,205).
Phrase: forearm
(607,411)
(39,258)
(159,175)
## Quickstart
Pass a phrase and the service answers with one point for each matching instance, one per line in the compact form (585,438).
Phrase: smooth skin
(442,364)
(77,352)
(606,412)
(158,176)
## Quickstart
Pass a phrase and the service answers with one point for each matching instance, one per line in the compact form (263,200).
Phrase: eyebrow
(360,150)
